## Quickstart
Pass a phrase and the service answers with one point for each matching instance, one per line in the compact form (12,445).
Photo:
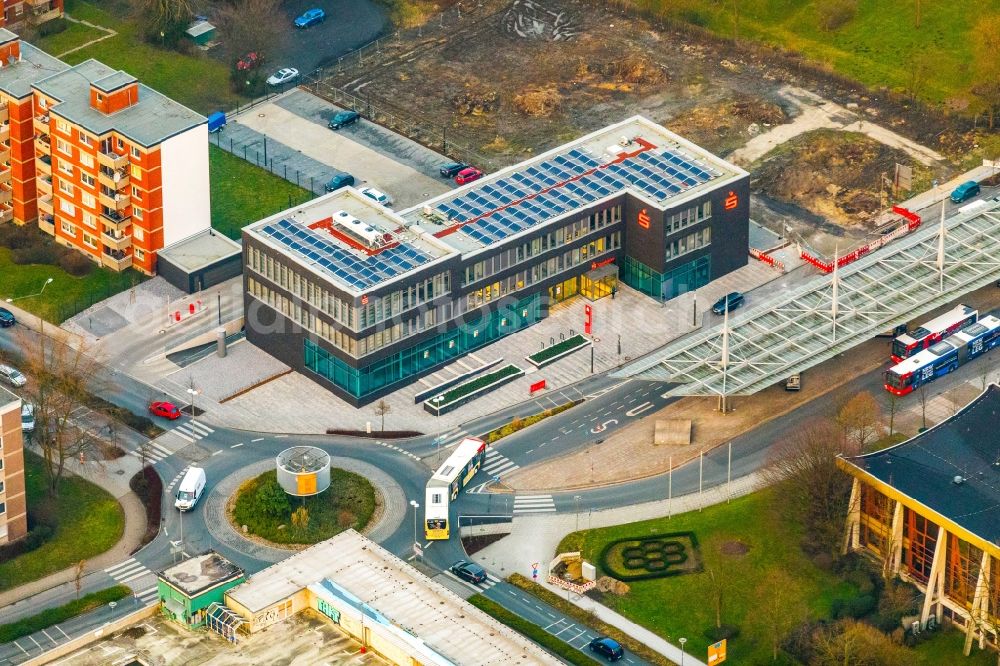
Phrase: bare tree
(59,377)
(249,26)
(782,608)
(381,409)
(78,576)
(860,418)
(810,489)
(717,584)
(163,21)
(922,390)
(145,452)
(893,408)
(858,644)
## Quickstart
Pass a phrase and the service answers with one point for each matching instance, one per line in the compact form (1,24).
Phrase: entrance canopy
(831,314)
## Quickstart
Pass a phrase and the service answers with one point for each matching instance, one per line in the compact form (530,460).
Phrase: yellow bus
(442,489)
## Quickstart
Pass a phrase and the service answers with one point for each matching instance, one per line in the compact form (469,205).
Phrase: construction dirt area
(511,79)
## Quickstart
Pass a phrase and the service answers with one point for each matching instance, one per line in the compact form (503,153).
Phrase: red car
(167,410)
(468,175)
(248,62)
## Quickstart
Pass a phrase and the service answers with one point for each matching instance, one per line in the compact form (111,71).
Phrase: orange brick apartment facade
(35,11)
(103,163)
(13,507)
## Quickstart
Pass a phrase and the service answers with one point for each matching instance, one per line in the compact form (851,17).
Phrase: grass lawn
(243,193)
(872,47)
(196,80)
(682,605)
(67,295)
(75,34)
(945,647)
(89,522)
(348,502)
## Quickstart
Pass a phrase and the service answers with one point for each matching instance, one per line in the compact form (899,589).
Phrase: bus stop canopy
(800,328)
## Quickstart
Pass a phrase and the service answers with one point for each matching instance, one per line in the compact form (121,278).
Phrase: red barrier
(913,221)
(537,386)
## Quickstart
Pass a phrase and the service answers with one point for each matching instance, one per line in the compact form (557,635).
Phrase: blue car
(310,18)
(965,191)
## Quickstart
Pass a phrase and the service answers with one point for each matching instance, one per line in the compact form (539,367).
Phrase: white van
(190,489)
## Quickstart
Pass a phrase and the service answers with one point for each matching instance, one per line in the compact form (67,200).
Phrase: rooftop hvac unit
(958,480)
(624,141)
(355,227)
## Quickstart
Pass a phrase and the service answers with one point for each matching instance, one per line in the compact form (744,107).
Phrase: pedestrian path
(534,504)
(127,571)
(497,464)
(192,431)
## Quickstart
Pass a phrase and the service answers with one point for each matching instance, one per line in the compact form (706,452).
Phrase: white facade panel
(184,168)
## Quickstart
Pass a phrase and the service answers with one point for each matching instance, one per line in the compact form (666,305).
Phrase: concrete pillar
(935,582)
(853,519)
(220,342)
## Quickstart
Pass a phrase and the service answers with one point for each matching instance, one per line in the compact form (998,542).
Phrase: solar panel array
(553,190)
(361,272)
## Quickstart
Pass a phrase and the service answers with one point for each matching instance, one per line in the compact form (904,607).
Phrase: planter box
(491,382)
(557,351)
(445,385)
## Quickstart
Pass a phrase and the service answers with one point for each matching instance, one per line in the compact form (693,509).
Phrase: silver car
(12,376)
(284,75)
(27,417)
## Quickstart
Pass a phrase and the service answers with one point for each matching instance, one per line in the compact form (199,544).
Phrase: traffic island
(470,390)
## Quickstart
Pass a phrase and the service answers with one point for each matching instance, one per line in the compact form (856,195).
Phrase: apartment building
(106,165)
(18,12)
(13,504)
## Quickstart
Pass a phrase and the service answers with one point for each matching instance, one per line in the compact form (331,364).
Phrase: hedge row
(465,389)
(519,423)
(558,348)
(50,616)
(632,574)
(149,487)
(548,641)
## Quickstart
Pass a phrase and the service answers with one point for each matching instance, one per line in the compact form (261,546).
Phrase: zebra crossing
(147,596)
(490,581)
(534,504)
(192,431)
(497,464)
(154,452)
(127,571)
(173,482)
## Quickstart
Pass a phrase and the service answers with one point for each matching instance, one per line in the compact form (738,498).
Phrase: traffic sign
(717,652)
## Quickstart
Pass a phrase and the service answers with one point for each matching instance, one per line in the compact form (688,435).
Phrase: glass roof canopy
(797,330)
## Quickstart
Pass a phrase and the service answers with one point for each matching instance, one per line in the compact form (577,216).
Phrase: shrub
(53,27)
(37,253)
(34,539)
(149,487)
(853,607)
(15,237)
(725,632)
(835,14)
(76,264)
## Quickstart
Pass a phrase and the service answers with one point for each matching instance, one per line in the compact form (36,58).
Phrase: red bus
(932,332)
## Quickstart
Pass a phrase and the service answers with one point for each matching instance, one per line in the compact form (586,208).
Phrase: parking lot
(296,133)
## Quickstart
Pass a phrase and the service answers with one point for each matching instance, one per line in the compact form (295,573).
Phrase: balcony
(113,180)
(41,124)
(43,165)
(116,260)
(44,185)
(6,194)
(6,214)
(113,161)
(4,114)
(47,223)
(115,221)
(5,174)
(116,242)
(45,205)
(116,202)
(43,145)
(4,131)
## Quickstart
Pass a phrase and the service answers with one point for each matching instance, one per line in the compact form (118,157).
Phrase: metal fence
(255,151)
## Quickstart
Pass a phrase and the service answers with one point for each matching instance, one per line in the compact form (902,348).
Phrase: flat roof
(199,250)
(199,573)
(351,240)
(384,586)
(635,155)
(7,399)
(151,120)
(33,66)
(928,467)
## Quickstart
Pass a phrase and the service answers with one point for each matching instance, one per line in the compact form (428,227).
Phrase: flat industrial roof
(152,119)
(34,65)
(634,155)
(952,468)
(386,586)
(199,250)
(197,574)
(350,239)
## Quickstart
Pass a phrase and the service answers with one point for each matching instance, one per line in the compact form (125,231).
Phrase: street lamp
(11,300)
(682,642)
(577,499)
(415,505)
(194,392)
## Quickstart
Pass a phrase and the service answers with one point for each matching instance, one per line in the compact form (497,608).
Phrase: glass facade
(691,275)
(501,320)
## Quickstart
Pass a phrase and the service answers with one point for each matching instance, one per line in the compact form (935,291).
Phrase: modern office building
(928,510)
(106,165)
(364,299)
(13,502)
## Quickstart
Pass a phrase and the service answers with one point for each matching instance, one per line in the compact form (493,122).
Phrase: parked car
(734,299)
(6,318)
(793,383)
(469,571)
(343,119)
(468,175)
(190,489)
(27,417)
(377,195)
(965,191)
(164,409)
(608,648)
(451,170)
(283,76)
(342,179)
(12,376)
(248,62)
(310,17)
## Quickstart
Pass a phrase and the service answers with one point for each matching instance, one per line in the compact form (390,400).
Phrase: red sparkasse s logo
(732,201)
(364,299)
(643,219)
